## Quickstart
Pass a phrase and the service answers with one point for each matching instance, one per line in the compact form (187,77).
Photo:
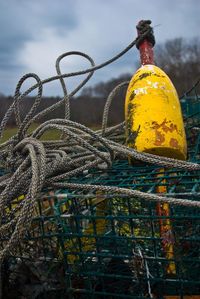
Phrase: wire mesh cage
(100,244)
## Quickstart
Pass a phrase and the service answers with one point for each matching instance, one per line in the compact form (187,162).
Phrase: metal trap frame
(94,244)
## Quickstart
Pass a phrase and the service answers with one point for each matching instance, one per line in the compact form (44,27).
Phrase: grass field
(50,135)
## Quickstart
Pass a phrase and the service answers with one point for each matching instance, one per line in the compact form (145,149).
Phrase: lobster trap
(100,244)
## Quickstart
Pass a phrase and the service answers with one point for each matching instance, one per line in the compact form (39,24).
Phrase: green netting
(102,245)
(116,246)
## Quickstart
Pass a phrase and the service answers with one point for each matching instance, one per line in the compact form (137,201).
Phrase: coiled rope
(33,165)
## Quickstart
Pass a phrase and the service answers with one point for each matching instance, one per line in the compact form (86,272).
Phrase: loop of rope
(66,97)
(28,118)
(33,165)
(68,75)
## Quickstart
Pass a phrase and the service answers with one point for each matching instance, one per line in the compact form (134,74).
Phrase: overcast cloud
(34,32)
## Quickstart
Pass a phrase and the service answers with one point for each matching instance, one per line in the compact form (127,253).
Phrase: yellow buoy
(153,114)
(154,124)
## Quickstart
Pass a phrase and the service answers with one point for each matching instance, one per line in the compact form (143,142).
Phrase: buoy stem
(145,46)
(146,53)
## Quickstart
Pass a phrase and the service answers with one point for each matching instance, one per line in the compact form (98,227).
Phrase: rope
(130,193)
(142,27)
(32,164)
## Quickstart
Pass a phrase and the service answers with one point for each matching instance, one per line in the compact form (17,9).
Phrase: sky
(35,32)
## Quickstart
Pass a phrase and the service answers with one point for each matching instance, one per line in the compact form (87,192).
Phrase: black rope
(142,27)
(191,89)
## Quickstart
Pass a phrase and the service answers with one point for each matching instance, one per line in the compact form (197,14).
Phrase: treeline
(178,58)
(85,109)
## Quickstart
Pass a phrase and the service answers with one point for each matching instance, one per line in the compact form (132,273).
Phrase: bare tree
(180,59)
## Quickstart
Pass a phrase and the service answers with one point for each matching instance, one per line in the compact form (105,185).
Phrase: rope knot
(144,29)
